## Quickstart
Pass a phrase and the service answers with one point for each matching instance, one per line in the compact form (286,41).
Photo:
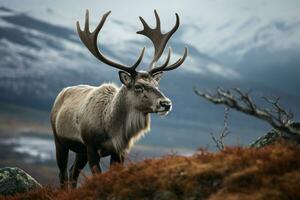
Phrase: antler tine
(167,60)
(158,39)
(178,62)
(89,39)
(164,66)
(134,66)
(145,25)
(176,26)
(157,20)
(87,21)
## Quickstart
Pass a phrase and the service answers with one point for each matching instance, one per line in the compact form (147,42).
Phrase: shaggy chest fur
(121,122)
(134,126)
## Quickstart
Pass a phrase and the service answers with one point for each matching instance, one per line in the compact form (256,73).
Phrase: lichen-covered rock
(14,180)
(275,135)
(267,139)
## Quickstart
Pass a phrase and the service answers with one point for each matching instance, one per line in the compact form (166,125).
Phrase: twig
(219,142)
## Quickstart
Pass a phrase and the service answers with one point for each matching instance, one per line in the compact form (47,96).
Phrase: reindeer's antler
(160,40)
(90,41)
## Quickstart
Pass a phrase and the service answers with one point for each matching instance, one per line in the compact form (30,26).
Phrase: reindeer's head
(141,86)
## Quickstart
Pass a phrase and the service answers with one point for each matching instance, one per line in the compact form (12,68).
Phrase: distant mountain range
(38,59)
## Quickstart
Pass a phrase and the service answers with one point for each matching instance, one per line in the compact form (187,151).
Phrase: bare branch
(219,142)
(276,116)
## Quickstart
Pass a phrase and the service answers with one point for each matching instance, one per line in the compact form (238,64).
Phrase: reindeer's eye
(138,88)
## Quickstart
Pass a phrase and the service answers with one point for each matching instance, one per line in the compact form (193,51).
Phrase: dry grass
(272,172)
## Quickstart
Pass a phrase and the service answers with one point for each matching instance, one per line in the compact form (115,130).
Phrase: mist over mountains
(39,58)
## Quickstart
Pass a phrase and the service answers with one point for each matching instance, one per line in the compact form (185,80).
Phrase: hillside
(236,173)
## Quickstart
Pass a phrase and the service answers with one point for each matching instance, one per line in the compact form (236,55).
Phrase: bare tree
(279,118)
(219,142)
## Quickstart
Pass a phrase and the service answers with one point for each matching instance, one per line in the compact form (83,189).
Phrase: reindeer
(101,121)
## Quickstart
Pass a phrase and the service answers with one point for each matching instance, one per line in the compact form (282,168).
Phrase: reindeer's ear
(157,76)
(125,78)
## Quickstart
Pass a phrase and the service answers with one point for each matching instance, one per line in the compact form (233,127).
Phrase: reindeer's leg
(62,154)
(93,159)
(117,158)
(78,165)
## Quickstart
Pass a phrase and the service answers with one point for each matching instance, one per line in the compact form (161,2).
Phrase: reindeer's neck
(129,123)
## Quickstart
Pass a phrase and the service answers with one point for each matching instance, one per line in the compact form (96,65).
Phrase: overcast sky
(214,20)
(233,32)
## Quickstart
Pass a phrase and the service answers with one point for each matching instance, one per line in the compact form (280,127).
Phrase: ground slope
(237,173)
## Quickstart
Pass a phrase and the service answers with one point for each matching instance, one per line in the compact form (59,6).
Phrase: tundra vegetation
(272,172)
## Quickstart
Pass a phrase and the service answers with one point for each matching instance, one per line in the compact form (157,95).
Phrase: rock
(267,139)
(275,135)
(164,195)
(14,180)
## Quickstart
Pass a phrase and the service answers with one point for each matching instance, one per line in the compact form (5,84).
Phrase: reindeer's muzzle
(164,106)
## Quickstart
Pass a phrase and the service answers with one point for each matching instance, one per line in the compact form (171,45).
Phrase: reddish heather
(272,172)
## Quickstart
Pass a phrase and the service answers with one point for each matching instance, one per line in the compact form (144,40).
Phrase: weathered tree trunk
(284,129)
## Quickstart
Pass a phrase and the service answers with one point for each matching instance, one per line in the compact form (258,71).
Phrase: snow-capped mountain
(40,56)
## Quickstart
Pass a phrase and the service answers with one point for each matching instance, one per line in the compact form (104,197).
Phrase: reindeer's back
(75,104)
